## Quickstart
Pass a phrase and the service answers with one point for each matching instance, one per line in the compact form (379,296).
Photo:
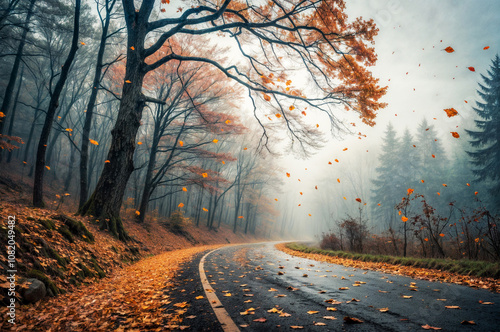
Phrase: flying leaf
(204,175)
(181,143)
(441,234)
(137,213)
(215,140)
(304,112)
(451,112)
(336,160)
(486,47)
(410,191)
(471,68)
(106,161)
(139,143)
(358,200)
(404,219)
(433,156)
(82,43)
(455,134)
(345,149)
(132,48)
(127,81)
(267,98)
(93,142)
(276,199)
(184,189)
(180,205)
(228,121)
(240,217)
(47,167)
(69,129)
(278,115)
(288,175)
(449,49)
(205,209)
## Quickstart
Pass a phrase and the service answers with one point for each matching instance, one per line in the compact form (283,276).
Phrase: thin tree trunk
(15,67)
(13,113)
(49,117)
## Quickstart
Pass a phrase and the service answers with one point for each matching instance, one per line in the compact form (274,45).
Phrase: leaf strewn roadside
(408,267)
(131,299)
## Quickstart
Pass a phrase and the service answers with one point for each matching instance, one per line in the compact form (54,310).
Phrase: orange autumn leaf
(132,48)
(451,112)
(184,189)
(82,43)
(47,167)
(215,140)
(338,180)
(267,98)
(137,213)
(471,68)
(309,214)
(428,327)
(345,198)
(468,184)
(410,191)
(336,160)
(301,193)
(433,156)
(139,143)
(288,175)
(449,49)
(455,134)
(127,81)
(69,129)
(358,200)
(439,194)
(475,192)
(426,239)
(228,121)
(441,234)
(486,47)
(445,185)
(204,175)
(205,209)
(345,149)
(291,108)
(180,205)
(240,217)
(181,143)
(404,219)
(329,163)
(422,181)
(304,112)
(278,115)
(2,115)
(107,161)
(276,199)
(93,142)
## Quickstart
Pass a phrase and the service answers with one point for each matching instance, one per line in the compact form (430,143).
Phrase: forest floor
(94,281)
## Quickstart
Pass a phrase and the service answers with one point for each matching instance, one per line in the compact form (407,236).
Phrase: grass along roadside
(472,273)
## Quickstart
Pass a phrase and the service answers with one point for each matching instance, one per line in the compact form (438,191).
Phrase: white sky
(422,78)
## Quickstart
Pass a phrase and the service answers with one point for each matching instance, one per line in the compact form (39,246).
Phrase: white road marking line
(227,324)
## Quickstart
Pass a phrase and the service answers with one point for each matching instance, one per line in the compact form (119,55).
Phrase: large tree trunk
(148,182)
(104,204)
(84,151)
(49,117)
(13,113)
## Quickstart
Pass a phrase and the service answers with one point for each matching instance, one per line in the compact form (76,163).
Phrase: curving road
(258,288)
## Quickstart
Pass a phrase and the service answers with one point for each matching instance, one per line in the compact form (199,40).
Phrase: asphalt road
(264,289)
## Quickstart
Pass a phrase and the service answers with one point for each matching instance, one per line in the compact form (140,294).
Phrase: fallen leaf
(452,307)
(352,320)
(319,324)
(468,322)
(449,49)
(312,312)
(260,320)
(296,327)
(383,309)
(428,327)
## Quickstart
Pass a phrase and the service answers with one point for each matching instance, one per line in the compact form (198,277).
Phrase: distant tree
(486,139)
(388,188)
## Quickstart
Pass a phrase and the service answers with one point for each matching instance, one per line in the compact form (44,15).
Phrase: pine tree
(388,188)
(486,139)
